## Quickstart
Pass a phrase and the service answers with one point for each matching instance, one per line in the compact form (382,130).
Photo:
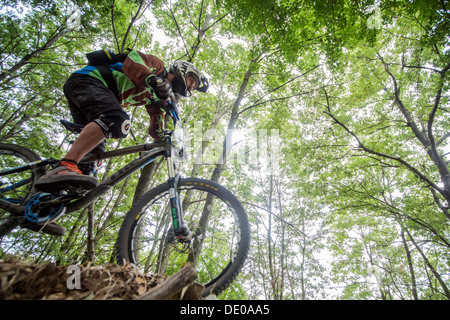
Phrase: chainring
(37,211)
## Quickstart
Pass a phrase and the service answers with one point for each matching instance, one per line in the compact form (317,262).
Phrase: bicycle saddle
(72,127)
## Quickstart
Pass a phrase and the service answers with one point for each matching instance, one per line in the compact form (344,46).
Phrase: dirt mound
(20,280)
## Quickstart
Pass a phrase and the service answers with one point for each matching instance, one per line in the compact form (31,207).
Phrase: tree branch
(257,103)
(179,31)
(380,154)
(114,26)
(427,140)
(135,18)
(60,32)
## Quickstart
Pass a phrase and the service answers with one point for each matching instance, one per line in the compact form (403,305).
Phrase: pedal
(69,191)
(77,190)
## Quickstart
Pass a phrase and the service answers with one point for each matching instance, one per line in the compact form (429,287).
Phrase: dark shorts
(88,98)
(91,101)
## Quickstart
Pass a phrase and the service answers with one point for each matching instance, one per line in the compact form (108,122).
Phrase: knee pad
(114,123)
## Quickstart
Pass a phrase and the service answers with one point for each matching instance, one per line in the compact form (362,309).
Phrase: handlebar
(171,106)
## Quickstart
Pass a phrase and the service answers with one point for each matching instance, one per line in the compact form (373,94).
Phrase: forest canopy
(340,121)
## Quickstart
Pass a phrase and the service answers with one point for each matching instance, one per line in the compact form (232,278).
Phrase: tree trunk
(410,266)
(430,266)
(172,285)
(90,247)
(220,166)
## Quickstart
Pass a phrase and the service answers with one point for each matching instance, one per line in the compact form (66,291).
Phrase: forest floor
(22,280)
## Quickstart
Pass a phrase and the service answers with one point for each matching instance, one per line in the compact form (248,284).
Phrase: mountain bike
(183,220)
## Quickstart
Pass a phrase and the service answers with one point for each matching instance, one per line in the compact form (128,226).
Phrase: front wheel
(218,223)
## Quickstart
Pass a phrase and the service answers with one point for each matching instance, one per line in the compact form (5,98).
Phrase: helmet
(181,69)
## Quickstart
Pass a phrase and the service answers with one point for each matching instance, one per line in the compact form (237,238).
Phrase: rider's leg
(68,173)
(88,139)
(113,124)
(91,136)
(91,103)
(89,99)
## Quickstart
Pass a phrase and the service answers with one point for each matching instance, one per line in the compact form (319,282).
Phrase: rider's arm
(140,67)
(147,71)
(157,124)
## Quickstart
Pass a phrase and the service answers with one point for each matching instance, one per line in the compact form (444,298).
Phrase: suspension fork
(181,231)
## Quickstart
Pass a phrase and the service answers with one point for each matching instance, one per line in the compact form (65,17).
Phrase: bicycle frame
(152,152)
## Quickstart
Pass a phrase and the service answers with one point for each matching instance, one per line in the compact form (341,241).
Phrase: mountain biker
(141,80)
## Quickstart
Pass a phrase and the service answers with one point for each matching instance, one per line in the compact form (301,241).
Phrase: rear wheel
(16,188)
(218,223)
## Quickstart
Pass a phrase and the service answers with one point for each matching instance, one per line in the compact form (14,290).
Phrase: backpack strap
(107,75)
